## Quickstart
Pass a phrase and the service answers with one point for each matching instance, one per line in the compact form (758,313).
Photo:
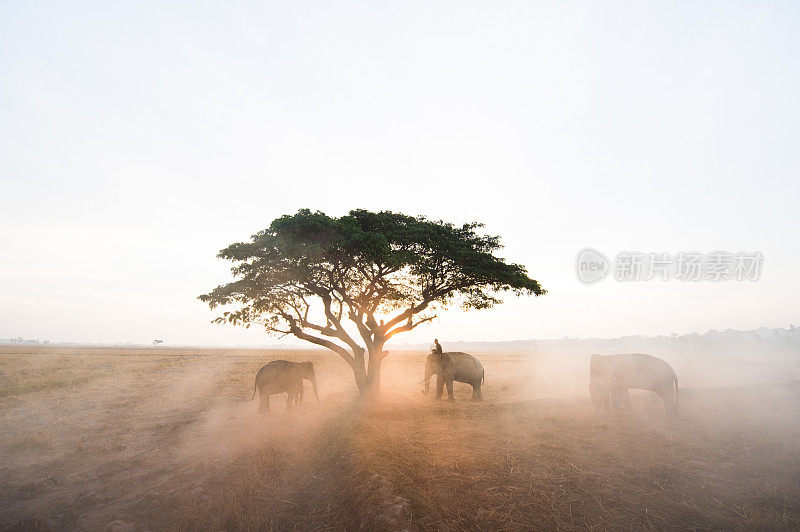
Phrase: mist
(151,438)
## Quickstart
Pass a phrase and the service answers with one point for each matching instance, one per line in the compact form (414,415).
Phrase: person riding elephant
(449,367)
(612,376)
(281,376)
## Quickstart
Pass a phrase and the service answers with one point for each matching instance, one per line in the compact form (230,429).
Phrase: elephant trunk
(427,381)
(314,385)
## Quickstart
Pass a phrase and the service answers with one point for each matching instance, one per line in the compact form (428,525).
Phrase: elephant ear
(445,360)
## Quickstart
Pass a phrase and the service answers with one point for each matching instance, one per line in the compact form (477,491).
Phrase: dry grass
(160,439)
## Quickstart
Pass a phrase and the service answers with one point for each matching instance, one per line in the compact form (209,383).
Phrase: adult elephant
(281,376)
(449,367)
(615,375)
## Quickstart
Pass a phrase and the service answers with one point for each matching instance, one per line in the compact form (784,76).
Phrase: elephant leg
(300,394)
(289,400)
(439,386)
(666,395)
(598,407)
(600,394)
(476,392)
(602,402)
(625,398)
(263,403)
(449,383)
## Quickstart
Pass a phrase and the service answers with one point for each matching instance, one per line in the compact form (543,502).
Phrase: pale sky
(138,139)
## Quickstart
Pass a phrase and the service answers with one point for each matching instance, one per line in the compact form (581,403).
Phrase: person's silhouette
(437,347)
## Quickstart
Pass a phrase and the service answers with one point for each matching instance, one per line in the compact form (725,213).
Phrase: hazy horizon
(139,139)
(294,343)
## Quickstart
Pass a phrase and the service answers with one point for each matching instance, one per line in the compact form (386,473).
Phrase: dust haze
(167,438)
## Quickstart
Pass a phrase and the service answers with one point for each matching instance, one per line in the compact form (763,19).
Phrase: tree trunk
(374,371)
(368,375)
(360,373)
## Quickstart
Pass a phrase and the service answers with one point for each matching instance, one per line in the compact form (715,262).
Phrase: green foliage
(357,266)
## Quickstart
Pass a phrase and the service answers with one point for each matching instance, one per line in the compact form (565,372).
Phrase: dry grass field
(150,439)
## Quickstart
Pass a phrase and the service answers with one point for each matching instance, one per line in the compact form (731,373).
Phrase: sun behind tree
(325,279)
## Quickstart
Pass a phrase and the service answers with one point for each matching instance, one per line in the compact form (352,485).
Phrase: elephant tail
(255,387)
(483,375)
(675,382)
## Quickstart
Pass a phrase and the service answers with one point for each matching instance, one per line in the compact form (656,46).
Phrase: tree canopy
(328,280)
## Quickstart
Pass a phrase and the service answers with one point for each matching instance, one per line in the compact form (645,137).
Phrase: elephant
(612,376)
(449,367)
(281,376)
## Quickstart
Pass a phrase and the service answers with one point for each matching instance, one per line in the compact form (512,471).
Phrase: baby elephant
(281,376)
(449,367)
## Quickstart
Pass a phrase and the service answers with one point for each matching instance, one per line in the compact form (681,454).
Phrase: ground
(146,439)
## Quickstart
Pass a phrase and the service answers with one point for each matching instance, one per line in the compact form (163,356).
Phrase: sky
(137,139)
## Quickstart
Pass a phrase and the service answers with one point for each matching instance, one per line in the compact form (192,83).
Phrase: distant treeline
(21,340)
(761,340)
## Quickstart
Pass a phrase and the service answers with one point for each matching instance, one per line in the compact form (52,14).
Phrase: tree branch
(406,314)
(297,331)
(341,333)
(325,343)
(407,327)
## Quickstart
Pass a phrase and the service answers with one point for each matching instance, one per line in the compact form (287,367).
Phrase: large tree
(351,283)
